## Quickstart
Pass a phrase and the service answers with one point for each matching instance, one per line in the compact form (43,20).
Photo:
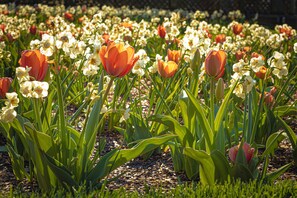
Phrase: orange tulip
(237,28)
(117,59)
(167,69)
(105,37)
(240,55)
(215,63)
(127,25)
(220,38)
(161,31)
(36,61)
(5,83)
(262,72)
(256,55)
(68,16)
(173,55)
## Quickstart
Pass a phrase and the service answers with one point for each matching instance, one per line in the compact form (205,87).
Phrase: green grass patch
(238,189)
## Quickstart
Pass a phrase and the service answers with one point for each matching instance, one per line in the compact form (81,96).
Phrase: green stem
(212,93)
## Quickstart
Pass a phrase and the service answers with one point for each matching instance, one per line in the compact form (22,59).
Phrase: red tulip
(220,38)
(2,27)
(173,55)
(117,59)
(36,61)
(237,28)
(215,63)
(161,31)
(248,152)
(5,83)
(33,29)
(68,16)
(167,69)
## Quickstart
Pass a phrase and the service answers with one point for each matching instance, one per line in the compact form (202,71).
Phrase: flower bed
(212,91)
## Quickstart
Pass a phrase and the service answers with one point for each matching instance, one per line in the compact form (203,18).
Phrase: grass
(253,189)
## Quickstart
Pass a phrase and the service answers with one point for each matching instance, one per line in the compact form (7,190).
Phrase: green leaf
(116,158)
(223,110)
(240,171)
(207,167)
(60,171)
(290,133)
(18,165)
(272,142)
(184,135)
(274,175)
(222,167)
(204,123)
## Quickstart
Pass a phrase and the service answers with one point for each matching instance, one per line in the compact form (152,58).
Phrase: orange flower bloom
(173,55)
(37,62)
(215,63)
(220,38)
(33,29)
(127,25)
(161,31)
(262,72)
(167,69)
(5,83)
(68,16)
(117,59)
(237,28)
(256,55)
(240,55)
(105,37)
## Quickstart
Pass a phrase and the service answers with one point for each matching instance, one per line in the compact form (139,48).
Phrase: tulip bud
(215,63)
(237,28)
(196,61)
(5,83)
(167,69)
(220,38)
(248,152)
(161,31)
(33,29)
(220,89)
(262,72)
(68,16)
(173,55)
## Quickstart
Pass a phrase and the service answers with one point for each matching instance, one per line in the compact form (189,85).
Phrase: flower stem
(212,94)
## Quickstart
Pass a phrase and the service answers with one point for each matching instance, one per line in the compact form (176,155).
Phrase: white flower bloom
(26,89)
(256,63)
(277,62)
(295,47)
(12,100)
(22,74)
(8,114)
(39,89)
(47,45)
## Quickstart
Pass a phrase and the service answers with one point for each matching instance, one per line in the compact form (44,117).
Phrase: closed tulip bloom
(117,59)
(215,63)
(247,149)
(173,55)
(161,31)
(5,83)
(36,61)
(220,38)
(220,89)
(69,16)
(237,28)
(33,29)
(167,69)
(262,72)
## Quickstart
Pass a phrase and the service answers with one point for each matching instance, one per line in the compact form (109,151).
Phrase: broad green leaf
(240,171)
(272,142)
(223,110)
(206,168)
(60,171)
(116,158)
(203,121)
(222,167)
(17,161)
(290,133)
(184,135)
